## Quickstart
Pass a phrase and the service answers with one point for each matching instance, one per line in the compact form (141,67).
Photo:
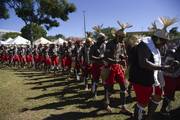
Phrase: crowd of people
(152,79)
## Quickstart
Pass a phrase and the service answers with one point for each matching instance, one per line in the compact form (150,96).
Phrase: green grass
(32,95)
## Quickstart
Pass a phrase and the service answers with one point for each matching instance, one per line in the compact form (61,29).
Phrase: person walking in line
(113,58)
(145,71)
(96,55)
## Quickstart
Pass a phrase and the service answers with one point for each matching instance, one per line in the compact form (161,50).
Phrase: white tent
(42,41)
(3,42)
(9,40)
(59,41)
(20,41)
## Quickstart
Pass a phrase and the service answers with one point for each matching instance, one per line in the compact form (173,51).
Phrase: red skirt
(4,58)
(116,75)
(171,85)
(22,59)
(47,60)
(87,68)
(96,70)
(29,58)
(63,61)
(36,58)
(55,60)
(10,57)
(143,93)
(16,58)
(68,62)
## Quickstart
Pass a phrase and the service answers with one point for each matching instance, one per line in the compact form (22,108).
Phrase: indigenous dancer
(15,59)
(172,80)
(29,57)
(54,57)
(22,56)
(35,57)
(113,59)
(97,54)
(62,51)
(86,64)
(145,71)
(76,54)
(69,56)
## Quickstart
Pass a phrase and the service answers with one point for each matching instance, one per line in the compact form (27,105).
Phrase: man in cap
(146,74)
(113,59)
(96,55)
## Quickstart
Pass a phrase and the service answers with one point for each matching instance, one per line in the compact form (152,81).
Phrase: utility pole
(84,23)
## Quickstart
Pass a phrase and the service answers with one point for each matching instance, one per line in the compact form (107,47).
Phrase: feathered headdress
(123,26)
(89,34)
(166,22)
(153,27)
(97,28)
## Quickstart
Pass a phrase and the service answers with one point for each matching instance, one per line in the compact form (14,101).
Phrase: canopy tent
(59,41)
(9,40)
(20,41)
(42,41)
(3,42)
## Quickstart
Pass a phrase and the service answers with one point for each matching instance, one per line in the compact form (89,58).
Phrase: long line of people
(85,60)
(90,60)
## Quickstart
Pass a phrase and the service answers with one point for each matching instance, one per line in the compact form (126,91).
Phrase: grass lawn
(32,95)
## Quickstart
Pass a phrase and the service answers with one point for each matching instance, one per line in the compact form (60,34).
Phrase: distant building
(2,32)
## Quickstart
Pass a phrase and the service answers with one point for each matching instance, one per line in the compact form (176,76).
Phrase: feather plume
(97,28)
(89,34)
(124,26)
(166,21)
(153,27)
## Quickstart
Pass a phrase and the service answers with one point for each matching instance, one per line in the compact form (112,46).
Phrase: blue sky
(139,13)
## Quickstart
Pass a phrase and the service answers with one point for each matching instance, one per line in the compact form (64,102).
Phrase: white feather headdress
(166,22)
(124,26)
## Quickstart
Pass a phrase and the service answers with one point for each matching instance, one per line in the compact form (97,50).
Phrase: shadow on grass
(77,115)
(45,81)
(62,82)
(79,99)
(29,74)
(71,92)
(174,115)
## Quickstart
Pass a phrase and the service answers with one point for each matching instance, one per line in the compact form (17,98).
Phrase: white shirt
(157,60)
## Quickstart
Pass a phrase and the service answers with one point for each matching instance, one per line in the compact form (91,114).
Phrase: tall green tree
(3,10)
(41,12)
(34,28)
(46,13)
